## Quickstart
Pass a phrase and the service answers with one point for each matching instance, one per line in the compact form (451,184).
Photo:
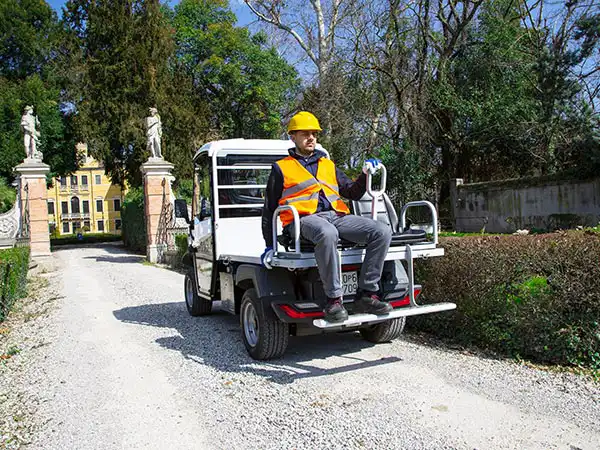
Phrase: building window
(65,227)
(85,206)
(73,180)
(76,227)
(84,180)
(117,203)
(75,205)
(86,225)
(99,206)
(98,179)
(100,225)
(64,207)
(50,208)
(117,224)
(63,181)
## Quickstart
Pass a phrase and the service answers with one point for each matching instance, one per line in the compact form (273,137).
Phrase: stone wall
(529,203)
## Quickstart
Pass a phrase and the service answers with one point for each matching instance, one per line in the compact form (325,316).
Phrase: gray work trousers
(324,229)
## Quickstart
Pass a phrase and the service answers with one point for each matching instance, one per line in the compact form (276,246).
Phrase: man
(312,183)
(153,133)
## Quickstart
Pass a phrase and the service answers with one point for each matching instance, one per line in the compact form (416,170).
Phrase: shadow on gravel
(215,341)
(128,259)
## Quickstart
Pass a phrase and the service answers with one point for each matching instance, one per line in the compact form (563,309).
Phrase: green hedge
(87,238)
(14,264)
(134,221)
(534,297)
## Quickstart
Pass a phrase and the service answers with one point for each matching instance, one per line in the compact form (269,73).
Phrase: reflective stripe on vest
(302,190)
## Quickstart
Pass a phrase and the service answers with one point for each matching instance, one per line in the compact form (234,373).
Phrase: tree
(246,83)
(29,34)
(117,53)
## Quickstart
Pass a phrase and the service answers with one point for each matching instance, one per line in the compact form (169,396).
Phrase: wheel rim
(189,292)
(250,322)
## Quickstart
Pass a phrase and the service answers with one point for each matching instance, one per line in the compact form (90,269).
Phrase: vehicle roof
(259,145)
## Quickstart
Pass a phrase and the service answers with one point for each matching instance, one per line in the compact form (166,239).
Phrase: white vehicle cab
(225,244)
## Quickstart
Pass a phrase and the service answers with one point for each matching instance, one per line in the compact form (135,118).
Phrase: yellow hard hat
(304,121)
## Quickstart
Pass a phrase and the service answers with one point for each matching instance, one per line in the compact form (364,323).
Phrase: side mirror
(181,210)
(204,209)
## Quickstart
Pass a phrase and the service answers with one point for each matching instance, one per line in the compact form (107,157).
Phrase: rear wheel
(196,305)
(384,331)
(264,335)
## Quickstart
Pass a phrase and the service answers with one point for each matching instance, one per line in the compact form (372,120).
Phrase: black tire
(264,335)
(384,331)
(196,305)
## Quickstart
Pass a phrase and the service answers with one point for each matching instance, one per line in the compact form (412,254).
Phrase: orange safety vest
(301,189)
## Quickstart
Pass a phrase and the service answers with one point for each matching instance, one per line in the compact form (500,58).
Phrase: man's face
(305,140)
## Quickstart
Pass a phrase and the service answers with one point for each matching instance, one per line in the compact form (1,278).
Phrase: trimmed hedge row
(133,219)
(534,297)
(85,239)
(14,264)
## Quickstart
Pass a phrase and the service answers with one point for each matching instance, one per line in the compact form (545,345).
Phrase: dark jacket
(349,189)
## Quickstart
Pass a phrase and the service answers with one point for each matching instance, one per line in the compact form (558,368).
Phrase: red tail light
(300,315)
(405,300)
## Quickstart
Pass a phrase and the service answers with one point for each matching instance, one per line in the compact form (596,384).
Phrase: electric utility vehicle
(226,242)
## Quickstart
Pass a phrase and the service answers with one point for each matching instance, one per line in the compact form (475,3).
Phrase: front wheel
(264,335)
(384,331)
(196,305)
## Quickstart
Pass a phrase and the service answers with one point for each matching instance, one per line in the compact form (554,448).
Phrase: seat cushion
(409,236)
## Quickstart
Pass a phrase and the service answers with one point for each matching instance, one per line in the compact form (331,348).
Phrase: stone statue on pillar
(154,133)
(31,134)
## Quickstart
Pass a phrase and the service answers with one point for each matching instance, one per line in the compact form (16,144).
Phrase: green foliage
(181,242)
(534,297)
(133,219)
(29,35)
(87,238)
(14,264)
(7,196)
(185,190)
(28,32)
(245,81)
(115,63)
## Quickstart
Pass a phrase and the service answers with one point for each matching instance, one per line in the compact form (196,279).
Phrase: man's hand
(267,257)
(371,166)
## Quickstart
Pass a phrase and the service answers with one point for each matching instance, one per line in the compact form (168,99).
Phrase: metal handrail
(276,214)
(433,215)
(377,193)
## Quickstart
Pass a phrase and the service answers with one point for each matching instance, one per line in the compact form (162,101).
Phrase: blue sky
(237,6)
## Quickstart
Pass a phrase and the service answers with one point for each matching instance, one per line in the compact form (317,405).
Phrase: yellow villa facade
(86,201)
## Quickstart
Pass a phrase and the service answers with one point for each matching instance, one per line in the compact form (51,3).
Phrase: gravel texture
(118,363)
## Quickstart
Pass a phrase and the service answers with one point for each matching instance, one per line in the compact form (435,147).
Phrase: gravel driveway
(127,367)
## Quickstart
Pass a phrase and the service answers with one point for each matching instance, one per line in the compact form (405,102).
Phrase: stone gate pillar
(157,200)
(34,204)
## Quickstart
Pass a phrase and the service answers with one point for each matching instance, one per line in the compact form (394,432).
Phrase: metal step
(355,320)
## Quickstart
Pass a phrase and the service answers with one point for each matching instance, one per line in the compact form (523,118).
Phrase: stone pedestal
(34,204)
(157,193)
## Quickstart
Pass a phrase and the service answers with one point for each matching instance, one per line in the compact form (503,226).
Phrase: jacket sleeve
(352,190)
(272,197)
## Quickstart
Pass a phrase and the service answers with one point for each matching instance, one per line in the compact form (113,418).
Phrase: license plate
(349,283)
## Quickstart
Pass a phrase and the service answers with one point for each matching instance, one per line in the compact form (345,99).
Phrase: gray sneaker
(370,303)
(335,311)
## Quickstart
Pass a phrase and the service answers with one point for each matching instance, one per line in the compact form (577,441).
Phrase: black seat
(387,214)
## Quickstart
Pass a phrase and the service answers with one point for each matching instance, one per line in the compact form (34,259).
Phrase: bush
(14,264)
(87,238)
(535,297)
(133,220)
(7,196)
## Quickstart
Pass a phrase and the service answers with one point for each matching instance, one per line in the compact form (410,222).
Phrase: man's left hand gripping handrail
(375,194)
(276,214)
